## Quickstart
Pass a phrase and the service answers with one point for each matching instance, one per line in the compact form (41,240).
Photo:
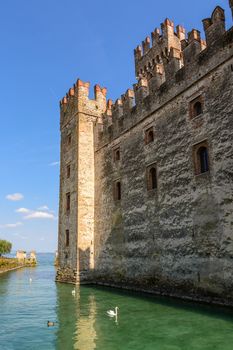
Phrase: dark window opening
(152,178)
(68,171)
(117,155)
(67,238)
(203,159)
(68,201)
(232,67)
(69,140)
(197,109)
(117,191)
(149,137)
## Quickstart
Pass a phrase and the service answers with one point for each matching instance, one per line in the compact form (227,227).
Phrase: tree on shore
(5,247)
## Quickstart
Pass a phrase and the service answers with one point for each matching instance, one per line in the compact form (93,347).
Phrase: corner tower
(78,116)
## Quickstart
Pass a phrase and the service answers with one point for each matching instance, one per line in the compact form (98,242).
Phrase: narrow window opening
(68,202)
(203,159)
(118,190)
(152,179)
(149,137)
(68,171)
(67,238)
(197,109)
(117,155)
(69,140)
(232,67)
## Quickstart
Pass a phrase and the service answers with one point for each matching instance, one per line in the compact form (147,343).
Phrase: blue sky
(45,46)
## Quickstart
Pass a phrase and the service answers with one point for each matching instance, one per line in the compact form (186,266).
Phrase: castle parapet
(214,27)
(127,100)
(77,99)
(141,90)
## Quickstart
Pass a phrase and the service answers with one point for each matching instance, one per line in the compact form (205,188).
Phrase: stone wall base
(67,275)
(198,295)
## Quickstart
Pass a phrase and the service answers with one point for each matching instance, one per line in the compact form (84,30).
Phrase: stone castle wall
(176,238)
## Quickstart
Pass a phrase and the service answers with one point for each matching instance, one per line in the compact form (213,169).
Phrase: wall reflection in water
(76,324)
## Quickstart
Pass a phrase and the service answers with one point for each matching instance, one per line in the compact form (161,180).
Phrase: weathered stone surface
(176,239)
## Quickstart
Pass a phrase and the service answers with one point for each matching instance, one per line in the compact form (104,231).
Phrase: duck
(30,280)
(112,313)
(51,324)
(73,292)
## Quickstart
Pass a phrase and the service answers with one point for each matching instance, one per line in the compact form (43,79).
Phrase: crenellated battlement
(166,64)
(77,100)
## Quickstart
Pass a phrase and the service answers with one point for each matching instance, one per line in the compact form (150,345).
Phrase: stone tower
(79,114)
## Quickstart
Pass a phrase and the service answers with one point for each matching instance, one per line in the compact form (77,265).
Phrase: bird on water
(51,324)
(112,313)
(73,292)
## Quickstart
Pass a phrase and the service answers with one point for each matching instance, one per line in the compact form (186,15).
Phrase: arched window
(151,178)
(116,155)
(197,109)
(202,154)
(149,135)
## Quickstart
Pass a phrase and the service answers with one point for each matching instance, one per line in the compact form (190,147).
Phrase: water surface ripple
(144,323)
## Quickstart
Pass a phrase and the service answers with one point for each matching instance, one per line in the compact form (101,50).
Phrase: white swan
(73,292)
(112,313)
(30,280)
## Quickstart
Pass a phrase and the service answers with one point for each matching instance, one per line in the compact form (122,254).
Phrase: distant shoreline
(12,269)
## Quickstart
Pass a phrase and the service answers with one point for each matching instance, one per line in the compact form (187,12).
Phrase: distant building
(21,255)
(146,183)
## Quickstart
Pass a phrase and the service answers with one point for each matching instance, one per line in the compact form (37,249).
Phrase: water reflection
(76,319)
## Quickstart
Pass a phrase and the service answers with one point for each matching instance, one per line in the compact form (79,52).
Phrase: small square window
(149,135)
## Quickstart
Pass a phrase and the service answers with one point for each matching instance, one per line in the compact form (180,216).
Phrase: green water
(144,322)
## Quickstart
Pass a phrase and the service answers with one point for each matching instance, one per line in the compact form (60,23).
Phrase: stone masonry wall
(175,239)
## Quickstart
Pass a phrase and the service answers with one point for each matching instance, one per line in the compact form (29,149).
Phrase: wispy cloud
(42,212)
(43,208)
(54,163)
(39,215)
(17,224)
(15,197)
(23,210)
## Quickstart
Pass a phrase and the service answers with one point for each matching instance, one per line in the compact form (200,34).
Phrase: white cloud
(54,163)
(43,208)
(15,197)
(17,224)
(39,215)
(23,210)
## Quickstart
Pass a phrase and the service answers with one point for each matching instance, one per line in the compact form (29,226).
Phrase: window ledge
(205,174)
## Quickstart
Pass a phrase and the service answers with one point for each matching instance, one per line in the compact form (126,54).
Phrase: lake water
(144,322)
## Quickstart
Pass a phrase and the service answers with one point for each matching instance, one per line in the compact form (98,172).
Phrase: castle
(146,183)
